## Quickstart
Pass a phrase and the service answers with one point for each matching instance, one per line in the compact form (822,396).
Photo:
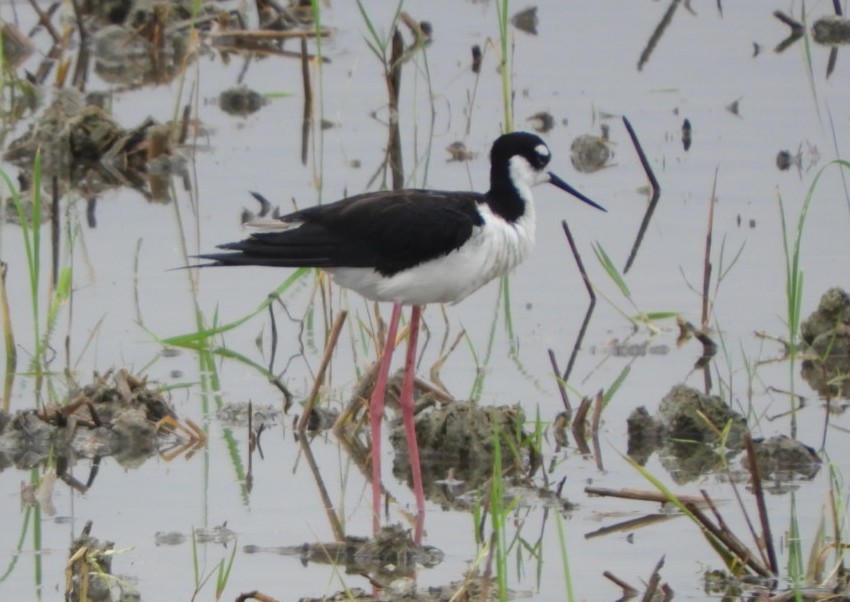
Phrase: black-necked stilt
(412,247)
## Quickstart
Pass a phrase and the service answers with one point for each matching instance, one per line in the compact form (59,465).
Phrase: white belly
(493,250)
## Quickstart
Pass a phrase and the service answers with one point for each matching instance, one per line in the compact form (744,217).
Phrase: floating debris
(785,160)
(526,20)
(542,121)
(734,107)
(241,101)
(458,152)
(477,57)
(686,135)
(590,153)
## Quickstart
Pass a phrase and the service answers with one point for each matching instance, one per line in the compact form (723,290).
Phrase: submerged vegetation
(237,402)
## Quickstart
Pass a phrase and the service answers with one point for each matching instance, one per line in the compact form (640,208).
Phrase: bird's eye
(541,156)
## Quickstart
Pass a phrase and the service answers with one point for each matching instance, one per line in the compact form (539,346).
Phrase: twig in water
(628,590)
(273,352)
(640,494)
(568,410)
(732,545)
(797,31)
(594,429)
(579,429)
(81,69)
(54,233)
(653,201)
(307,119)
(652,584)
(706,271)
(758,492)
(393,77)
(333,519)
(590,306)
(252,445)
(320,375)
(656,35)
(722,523)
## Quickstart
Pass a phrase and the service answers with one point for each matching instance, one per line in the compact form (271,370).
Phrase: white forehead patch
(542,150)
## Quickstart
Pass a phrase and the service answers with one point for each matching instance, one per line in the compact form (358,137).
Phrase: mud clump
(827,332)
(241,101)
(831,31)
(833,312)
(683,413)
(459,438)
(84,147)
(783,458)
(117,415)
(685,433)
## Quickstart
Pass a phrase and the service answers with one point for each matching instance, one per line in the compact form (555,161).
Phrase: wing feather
(388,231)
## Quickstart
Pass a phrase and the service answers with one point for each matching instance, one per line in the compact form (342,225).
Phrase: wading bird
(411,247)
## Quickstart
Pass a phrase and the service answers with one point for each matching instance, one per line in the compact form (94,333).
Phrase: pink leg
(376,414)
(406,402)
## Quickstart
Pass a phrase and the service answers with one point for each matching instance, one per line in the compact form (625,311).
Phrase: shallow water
(580,67)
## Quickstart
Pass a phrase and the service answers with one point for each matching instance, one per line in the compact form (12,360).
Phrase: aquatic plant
(792,242)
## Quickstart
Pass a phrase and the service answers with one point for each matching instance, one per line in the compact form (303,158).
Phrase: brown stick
(44,19)
(307,118)
(758,492)
(320,375)
(639,494)
(707,268)
(266,34)
(393,77)
(654,580)
(732,545)
(560,382)
(628,590)
(722,523)
(330,507)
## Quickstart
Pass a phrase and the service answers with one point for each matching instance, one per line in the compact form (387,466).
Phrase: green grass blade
(611,270)
(192,338)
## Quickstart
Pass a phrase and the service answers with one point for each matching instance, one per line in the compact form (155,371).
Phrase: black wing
(388,231)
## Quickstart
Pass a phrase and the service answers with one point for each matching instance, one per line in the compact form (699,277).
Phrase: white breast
(493,250)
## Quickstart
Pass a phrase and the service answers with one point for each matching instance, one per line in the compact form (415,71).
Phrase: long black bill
(553,179)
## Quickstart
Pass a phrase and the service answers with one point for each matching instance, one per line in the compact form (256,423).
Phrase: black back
(393,230)
(388,231)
